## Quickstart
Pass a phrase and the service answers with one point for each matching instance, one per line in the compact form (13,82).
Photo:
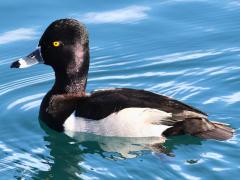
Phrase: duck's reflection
(68,151)
(125,147)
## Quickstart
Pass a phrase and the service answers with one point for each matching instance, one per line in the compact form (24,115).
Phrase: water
(186,49)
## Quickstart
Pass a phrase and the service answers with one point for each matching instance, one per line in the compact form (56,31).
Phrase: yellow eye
(56,43)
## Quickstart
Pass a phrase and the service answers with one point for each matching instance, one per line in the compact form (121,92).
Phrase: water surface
(186,49)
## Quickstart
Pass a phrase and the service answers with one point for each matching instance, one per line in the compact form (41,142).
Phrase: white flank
(129,122)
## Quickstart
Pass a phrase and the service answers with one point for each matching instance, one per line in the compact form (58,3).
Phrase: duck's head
(63,46)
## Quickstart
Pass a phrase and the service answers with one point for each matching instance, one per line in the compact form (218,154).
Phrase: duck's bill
(33,58)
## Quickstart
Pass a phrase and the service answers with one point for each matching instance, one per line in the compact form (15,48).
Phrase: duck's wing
(102,103)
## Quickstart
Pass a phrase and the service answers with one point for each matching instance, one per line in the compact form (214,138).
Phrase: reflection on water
(70,161)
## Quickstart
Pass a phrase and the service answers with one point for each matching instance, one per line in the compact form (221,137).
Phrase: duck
(116,112)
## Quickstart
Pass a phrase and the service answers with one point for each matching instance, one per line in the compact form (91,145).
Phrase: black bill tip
(15,64)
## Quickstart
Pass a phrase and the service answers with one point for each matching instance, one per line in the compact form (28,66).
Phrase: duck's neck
(70,84)
(72,79)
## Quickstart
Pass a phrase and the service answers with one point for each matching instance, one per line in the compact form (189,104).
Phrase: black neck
(73,78)
(70,84)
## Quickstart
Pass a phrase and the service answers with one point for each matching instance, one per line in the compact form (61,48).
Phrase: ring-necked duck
(114,112)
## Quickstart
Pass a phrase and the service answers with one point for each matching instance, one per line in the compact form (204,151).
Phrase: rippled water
(186,49)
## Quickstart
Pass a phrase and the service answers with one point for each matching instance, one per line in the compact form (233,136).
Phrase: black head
(63,46)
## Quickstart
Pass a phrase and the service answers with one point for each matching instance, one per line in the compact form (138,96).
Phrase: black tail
(220,132)
(202,128)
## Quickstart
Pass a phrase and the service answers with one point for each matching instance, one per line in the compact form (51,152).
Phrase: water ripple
(188,56)
(229,99)
(178,168)
(173,88)
(25,99)
(214,155)
(11,86)
(28,162)
(183,56)
(31,105)
(131,76)
(8,60)
(97,170)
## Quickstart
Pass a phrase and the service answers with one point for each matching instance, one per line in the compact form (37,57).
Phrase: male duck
(115,112)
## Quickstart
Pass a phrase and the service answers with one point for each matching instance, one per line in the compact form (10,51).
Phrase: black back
(102,103)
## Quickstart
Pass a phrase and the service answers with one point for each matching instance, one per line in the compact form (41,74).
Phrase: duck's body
(114,112)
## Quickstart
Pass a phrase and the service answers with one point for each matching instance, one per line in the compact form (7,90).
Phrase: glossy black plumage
(104,102)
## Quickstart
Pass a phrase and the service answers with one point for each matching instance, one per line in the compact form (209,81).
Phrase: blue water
(186,49)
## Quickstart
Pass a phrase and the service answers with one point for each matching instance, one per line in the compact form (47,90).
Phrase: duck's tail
(202,128)
(218,131)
